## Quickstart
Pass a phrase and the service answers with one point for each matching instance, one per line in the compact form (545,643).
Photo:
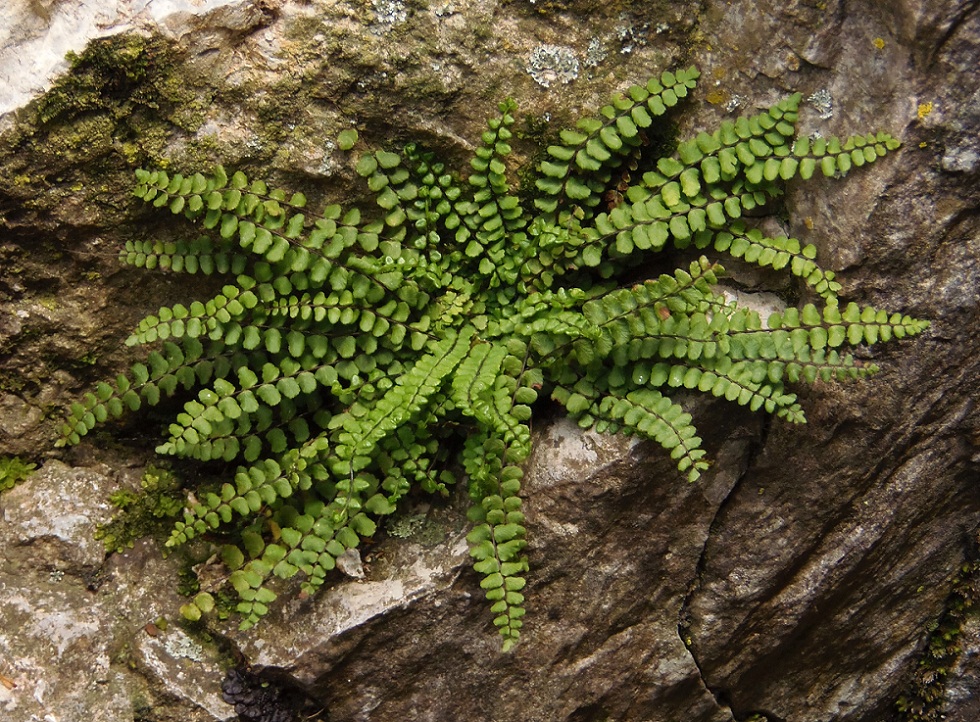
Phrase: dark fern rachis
(348,347)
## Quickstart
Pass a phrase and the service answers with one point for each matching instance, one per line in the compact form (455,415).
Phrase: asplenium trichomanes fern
(349,347)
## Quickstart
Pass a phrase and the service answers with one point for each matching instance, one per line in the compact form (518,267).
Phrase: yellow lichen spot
(923,144)
(879,43)
(717,97)
(924,109)
(22,180)
(808,222)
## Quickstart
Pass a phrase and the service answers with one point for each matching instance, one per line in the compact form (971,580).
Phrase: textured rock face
(835,586)
(72,623)
(796,581)
(38,35)
(604,642)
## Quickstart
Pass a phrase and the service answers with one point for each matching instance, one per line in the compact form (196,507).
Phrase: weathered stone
(184,669)
(817,585)
(52,514)
(40,34)
(796,580)
(415,634)
(72,624)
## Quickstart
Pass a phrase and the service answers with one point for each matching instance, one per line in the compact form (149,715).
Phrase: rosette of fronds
(357,354)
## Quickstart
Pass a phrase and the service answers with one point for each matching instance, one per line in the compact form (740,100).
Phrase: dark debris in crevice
(258,697)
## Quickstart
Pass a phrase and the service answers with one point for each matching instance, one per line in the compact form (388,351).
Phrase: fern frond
(580,169)
(644,412)
(831,155)
(497,539)
(777,253)
(201,255)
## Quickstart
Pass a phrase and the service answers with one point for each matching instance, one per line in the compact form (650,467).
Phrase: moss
(13,470)
(82,139)
(225,603)
(303,29)
(148,512)
(188,584)
(121,105)
(102,71)
(592,8)
(119,75)
(924,699)
(279,107)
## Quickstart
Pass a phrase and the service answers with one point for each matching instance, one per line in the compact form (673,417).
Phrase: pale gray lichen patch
(417,527)
(822,103)
(551,64)
(445,10)
(388,13)
(405,526)
(630,36)
(180,646)
(734,103)
(595,53)
(960,160)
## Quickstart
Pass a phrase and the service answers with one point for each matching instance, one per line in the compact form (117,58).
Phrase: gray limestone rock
(75,628)
(796,581)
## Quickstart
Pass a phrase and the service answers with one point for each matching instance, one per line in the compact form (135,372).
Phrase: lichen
(595,53)
(388,13)
(823,103)
(420,528)
(553,64)
(631,36)
(180,646)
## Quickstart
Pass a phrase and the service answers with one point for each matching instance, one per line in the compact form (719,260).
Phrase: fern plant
(14,470)
(350,348)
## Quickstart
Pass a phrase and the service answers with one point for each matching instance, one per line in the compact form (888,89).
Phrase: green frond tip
(355,356)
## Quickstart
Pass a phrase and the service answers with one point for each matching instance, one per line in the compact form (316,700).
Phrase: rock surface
(35,37)
(74,643)
(796,581)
